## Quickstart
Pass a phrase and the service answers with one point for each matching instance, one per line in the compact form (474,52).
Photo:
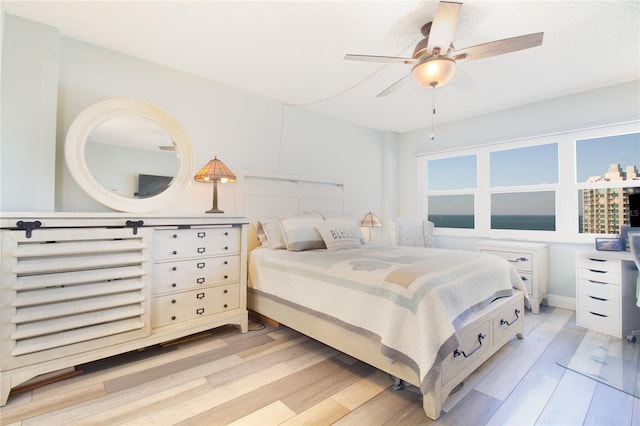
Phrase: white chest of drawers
(531,260)
(79,287)
(606,292)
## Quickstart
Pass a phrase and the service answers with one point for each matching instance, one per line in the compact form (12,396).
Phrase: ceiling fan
(434,57)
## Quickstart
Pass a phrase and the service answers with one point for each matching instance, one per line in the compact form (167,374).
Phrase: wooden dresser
(531,260)
(79,287)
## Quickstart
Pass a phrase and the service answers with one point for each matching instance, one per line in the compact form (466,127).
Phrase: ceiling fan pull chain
(433,116)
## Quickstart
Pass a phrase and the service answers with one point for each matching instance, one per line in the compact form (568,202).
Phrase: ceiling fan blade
(498,47)
(372,58)
(443,27)
(395,86)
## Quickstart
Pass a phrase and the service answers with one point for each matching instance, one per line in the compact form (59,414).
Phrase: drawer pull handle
(225,305)
(173,300)
(201,250)
(226,262)
(200,311)
(457,352)
(226,248)
(200,296)
(226,233)
(200,265)
(599,315)
(226,276)
(200,280)
(504,321)
(174,252)
(202,234)
(175,268)
(597,282)
(524,278)
(174,285)
(173,318)
(519,259)
(599,298)
(597,271)
(174,236)
(597,260)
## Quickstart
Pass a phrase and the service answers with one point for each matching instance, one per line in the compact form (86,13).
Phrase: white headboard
(261,195)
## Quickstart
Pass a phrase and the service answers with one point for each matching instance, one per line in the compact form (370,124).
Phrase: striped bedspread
(411,300)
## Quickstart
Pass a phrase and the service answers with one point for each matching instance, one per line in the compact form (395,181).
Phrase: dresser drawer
(197,242)
(521,261)
(601,276)
(185,275)
(603,316)
(179,307)
(598,289)
(505,320)
(595,264)
(604,308)
(473,344)
(527,280)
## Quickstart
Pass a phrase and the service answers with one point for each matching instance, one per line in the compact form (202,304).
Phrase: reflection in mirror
(132,156)
(115,147)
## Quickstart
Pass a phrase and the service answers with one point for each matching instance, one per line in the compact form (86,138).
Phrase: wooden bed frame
(482,334)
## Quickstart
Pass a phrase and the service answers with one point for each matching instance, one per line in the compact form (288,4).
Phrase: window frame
(566,189)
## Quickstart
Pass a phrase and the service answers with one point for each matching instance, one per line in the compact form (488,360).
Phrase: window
(451,183)
(513,173)
(606,173)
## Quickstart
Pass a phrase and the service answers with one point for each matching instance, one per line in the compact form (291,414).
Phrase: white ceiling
(292,51)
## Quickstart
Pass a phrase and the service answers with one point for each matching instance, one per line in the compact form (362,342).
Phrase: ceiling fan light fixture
(434,71)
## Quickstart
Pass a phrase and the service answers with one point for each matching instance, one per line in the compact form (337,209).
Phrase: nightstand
(531,262)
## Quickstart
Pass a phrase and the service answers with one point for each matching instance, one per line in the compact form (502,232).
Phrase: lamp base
(214,210)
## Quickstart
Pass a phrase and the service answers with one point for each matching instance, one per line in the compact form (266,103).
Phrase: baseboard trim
(561,302)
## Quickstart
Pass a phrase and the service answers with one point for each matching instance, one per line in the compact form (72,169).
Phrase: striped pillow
(300,232)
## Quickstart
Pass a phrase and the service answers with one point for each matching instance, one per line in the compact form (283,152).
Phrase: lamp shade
(434,71)
(370,221)
(213,172)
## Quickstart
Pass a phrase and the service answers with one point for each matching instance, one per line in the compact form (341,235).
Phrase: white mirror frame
(96,114)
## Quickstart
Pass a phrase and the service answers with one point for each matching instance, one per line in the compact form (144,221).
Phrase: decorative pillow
(270,234)
(345,222)
(300,232)
(411,231)
(339,238)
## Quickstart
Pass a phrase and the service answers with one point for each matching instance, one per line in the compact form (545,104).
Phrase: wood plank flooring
(276,376)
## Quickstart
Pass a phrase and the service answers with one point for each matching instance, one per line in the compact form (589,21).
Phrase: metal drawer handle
(225,305)
(597,271)
(202,234)
(173,300)
(174,236)
(175,268)
(524,278)
(201,250)
(200,311)
(597,282)
(200,265)
(599,298)
(174,285)
(226,276)
(599,315)
(174,252)
(225,291)
(504,321)
(200,296)
(519,259)
(457,352)
(226,262)
(226,233)
(226,248)
(200,280)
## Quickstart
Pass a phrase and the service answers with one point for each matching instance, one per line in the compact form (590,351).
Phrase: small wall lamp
(213,172)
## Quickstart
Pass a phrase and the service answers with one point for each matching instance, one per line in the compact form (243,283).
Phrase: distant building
(605,209)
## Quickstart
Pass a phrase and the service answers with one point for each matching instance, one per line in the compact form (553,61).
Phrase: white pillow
(339,238)
(345,222)
(270,234)
(300,232)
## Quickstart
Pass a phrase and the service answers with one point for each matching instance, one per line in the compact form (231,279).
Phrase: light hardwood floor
(275,376)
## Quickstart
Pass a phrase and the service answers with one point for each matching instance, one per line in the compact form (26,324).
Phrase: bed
(428,317)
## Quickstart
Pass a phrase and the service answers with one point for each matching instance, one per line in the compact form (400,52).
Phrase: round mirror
(129,155)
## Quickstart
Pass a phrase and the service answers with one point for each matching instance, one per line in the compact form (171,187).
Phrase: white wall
(608,105)
(246,131)
(29,90)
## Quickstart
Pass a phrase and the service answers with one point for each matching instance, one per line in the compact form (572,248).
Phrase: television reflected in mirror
(150,185)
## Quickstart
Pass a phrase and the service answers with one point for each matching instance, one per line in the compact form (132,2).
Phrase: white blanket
(411,300)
